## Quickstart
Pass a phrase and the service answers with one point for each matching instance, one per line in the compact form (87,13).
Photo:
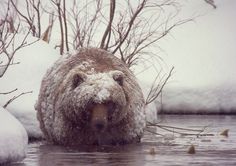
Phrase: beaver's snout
(99,117)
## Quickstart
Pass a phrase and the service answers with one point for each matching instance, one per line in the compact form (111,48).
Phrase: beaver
(91,98)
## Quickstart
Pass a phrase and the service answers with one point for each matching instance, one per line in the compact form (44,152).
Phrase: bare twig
(184,133)
(211,2)
(65,25)
(5,93)
(58,4)
(156,89)
(6,41)
(15,97)
(107,33)
(12,63)
(174,129)
(131,22)
(153,132)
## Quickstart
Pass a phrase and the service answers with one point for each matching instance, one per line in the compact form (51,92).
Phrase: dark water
(170,149)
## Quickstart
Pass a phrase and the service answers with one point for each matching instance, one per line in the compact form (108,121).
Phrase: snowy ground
(13,138)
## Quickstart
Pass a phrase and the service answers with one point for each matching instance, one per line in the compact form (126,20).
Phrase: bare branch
(211,2)
(59,11)
(6,93)
(27,19)
(131,22)
(155,90)
(178,130)
(15,97)
(6,41)
(36,7)
(173,127)
(153,132)
(108,30)
(65,25)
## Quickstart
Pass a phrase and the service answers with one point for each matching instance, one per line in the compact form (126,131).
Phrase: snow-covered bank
(208,100)
(13,138)
(26,76)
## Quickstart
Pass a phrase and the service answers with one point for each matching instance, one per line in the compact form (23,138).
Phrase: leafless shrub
(31,16)
(129,29)
(8,31)
(84,20)
(61,14)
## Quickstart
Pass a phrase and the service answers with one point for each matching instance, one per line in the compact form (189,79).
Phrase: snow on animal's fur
(91,97)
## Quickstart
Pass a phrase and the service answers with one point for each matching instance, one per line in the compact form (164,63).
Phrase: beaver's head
(95,100)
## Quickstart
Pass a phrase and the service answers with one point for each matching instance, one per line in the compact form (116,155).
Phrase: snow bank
(13,138)
(187,100)
(26,77)
(205,100)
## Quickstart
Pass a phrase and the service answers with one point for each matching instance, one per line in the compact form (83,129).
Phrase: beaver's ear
(77,80)
(118,76)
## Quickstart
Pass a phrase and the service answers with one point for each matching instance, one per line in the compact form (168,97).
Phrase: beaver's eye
(77,80)
(119,78)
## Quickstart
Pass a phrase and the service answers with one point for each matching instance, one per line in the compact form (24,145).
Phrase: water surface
(169,149)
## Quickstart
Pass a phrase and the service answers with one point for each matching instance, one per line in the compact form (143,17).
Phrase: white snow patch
(27,76)
(13,138)
(102,81)
(103,94)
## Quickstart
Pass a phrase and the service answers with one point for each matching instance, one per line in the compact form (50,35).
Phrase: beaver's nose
(99,126)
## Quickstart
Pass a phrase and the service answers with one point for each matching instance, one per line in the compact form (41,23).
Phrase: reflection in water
(170,149)
(91,155)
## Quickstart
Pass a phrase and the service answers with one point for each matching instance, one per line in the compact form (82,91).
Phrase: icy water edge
(170,149)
